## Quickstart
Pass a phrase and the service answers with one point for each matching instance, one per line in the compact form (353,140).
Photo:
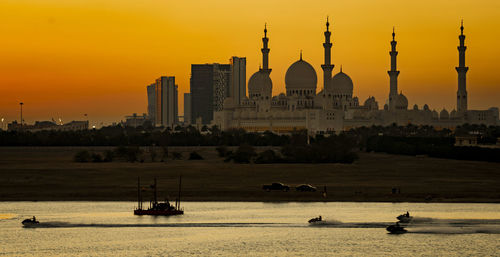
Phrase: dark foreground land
(49,173)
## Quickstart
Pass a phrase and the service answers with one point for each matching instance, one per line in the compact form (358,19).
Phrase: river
(249,229)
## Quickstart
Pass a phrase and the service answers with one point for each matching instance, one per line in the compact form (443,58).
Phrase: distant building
(209,87)
(466,141)
(135,120)
(151,102)
(187,108)
(166,112)
(238,83)
(334,108)
(49,125)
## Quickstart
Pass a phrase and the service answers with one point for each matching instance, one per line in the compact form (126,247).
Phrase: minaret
(393,73)
(265,52)
(462,71)
(328,66)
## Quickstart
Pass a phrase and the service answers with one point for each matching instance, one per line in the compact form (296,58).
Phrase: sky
(64,59)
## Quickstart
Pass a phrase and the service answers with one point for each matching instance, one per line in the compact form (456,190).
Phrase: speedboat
(405,217)
(28,223)
(315,220)
(396,229)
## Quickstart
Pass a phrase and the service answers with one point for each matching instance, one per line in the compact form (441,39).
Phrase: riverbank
(49,174)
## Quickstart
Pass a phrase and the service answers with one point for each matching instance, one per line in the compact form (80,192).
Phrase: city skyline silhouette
(69,78)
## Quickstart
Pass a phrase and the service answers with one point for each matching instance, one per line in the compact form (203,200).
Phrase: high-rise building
(238,79)
(187,108)
(209,87)
(151,102)
(166,113)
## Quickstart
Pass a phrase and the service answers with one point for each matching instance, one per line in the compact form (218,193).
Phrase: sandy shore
(49,173)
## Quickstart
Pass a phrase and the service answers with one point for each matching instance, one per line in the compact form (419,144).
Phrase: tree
(195,156)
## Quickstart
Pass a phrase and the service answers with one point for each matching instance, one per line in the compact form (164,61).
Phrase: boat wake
(172,225)
(339,224)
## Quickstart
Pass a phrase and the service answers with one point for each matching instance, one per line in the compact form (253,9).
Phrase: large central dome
(301,75)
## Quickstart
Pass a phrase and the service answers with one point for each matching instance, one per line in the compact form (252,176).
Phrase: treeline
(190,136)
(119,136)
(332,149)
(433,147)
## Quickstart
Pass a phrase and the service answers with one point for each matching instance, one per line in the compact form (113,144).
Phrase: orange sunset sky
(67,58)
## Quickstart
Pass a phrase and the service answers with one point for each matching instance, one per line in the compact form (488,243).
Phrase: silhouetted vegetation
(82,156)
(296,147)
(222,151)
(243,154)
(195,156)
(176,156)
(332,149)
(433,147)
(268,156)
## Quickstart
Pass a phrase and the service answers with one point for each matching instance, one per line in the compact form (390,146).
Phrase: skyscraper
(166,102)
(187,108)
(238,79)
(209,87)
(151,102)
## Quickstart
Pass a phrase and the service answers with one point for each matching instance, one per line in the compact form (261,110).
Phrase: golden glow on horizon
(67,58)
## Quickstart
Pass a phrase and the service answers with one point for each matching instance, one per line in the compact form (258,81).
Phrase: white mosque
(334,108)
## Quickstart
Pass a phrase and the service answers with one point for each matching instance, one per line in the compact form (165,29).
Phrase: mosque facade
(334,108)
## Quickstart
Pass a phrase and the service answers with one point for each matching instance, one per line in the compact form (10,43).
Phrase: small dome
(260,82)
(453,114)
(341,84)
(435,114)
(301,75)
(371,103)
(401,102)
(426,107)
(415,107)
(444,114)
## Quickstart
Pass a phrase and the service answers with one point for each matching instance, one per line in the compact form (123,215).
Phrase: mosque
(334,108)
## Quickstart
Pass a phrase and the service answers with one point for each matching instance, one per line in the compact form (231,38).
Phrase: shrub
(176,156)
(108,156)
(82,156)
(244,154)
(152,153)
(96,157)
(268,156)
(164,151)
(222,150)
(195,156)
(130,154)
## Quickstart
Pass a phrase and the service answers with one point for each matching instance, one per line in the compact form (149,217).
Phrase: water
(250,229)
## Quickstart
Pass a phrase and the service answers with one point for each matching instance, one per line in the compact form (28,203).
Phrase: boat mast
(155,199)
(179,197)
(139,200)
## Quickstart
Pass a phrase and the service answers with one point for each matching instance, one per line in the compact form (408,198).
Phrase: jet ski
(27,223)
(315,220)
(405,217)
(396,229)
